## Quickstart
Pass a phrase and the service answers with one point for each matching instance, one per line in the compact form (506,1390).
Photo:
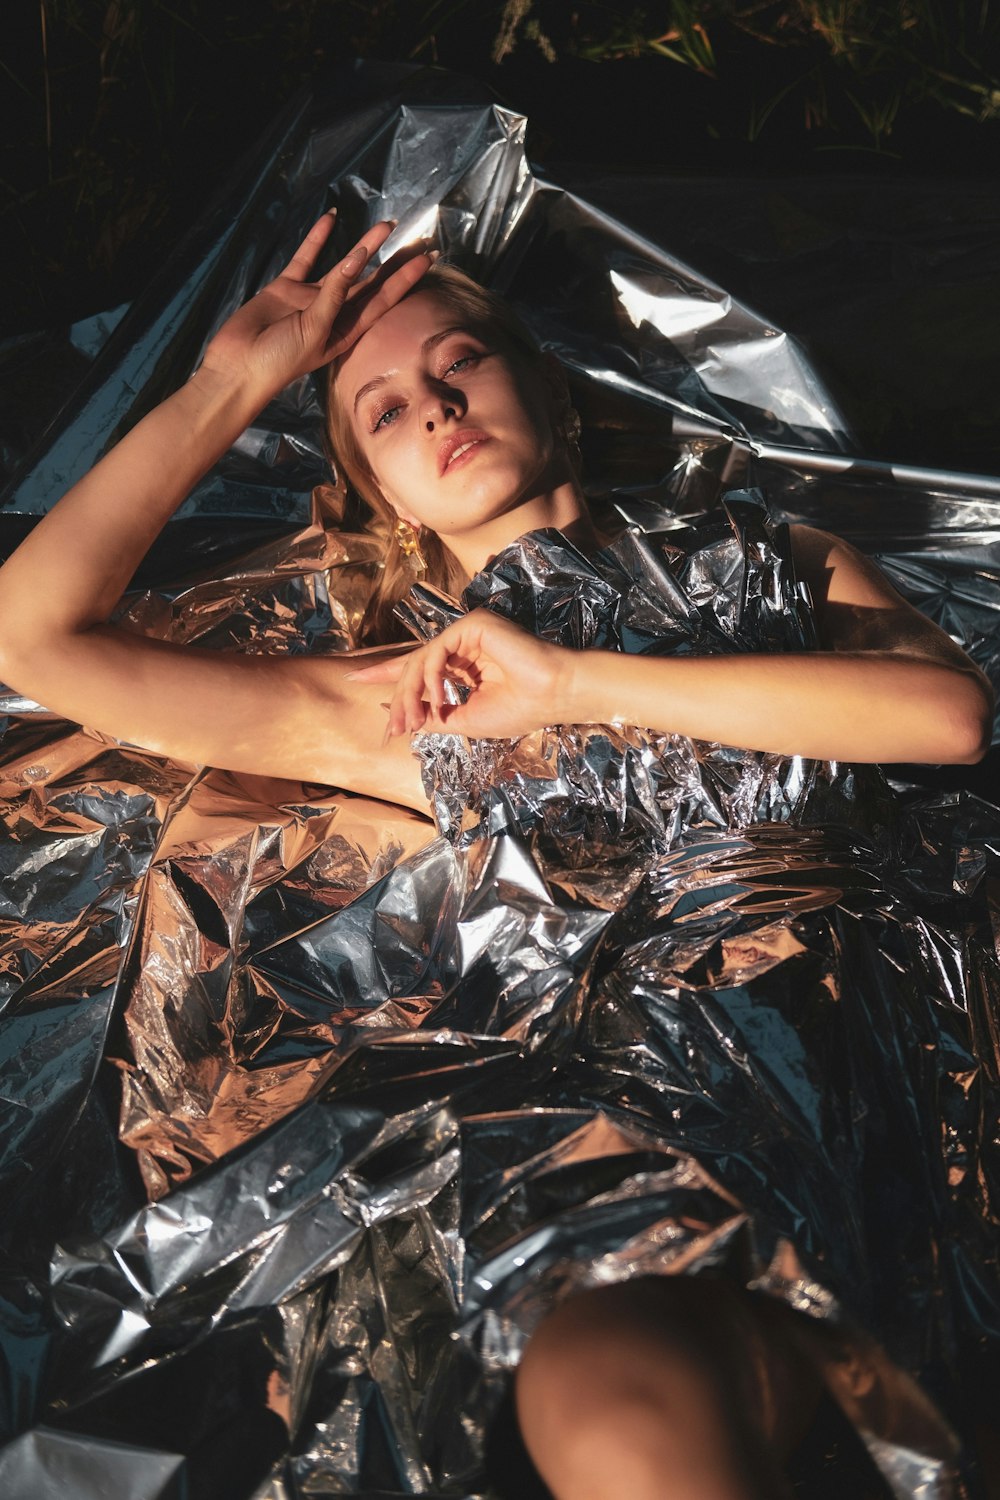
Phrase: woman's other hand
(516,682)
(294,325)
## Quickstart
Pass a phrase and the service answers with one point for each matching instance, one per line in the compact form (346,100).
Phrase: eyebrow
(426,346)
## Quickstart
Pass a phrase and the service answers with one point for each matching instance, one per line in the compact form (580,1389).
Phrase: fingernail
(433,255)
(354,261)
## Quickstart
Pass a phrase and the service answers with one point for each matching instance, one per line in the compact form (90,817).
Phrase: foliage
(869,58)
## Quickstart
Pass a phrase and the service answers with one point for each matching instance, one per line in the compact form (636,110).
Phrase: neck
(563,508)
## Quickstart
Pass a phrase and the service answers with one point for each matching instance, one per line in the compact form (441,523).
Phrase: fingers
(343,282)
(342,277)
(299,268)
(304,259)
(407,711)
(420,688)
(387,291)
(423,679)
(341,286)
(430,690)
(365,303)
(435,666)
(357,258)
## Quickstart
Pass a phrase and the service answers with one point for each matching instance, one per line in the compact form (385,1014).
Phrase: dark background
(124,115)
(833,162)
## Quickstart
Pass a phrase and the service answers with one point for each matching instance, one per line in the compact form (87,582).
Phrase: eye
(385,418)
(462,362)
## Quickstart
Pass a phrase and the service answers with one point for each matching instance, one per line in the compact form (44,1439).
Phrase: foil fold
(308,1113)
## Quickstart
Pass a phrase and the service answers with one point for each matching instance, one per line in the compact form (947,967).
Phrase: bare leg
(666,1388)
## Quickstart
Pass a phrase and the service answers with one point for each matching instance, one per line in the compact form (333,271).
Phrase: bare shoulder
(858,609)
(838,573)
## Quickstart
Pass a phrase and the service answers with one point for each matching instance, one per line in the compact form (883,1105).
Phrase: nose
(442,404)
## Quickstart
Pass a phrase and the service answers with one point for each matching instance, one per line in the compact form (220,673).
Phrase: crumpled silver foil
(308,1113)
(725,588)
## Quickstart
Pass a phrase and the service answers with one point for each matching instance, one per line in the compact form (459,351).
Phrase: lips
(457,446)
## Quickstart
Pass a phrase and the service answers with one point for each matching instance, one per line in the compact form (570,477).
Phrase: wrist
(216,395)
(228,387)
(577,692)
(612,687)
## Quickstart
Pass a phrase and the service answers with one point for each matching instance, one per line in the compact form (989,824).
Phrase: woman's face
(458,435)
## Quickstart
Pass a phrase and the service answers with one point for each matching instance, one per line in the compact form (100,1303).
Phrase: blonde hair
(486,314)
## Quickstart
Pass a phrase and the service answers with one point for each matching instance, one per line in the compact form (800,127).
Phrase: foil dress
(309,1109)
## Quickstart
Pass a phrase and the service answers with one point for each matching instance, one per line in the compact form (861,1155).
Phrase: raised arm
(295,717)
(889,685)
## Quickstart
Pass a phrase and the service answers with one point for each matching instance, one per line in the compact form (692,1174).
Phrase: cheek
(380,458)
(406,488)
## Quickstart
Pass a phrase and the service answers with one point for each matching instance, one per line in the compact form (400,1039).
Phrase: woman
(903,691)
(453,427)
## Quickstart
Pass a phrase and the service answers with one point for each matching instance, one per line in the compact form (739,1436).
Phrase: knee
(609,1349)
(623,1388)
(570,1352)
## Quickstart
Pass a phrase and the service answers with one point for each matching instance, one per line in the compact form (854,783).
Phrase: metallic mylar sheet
(309,1110)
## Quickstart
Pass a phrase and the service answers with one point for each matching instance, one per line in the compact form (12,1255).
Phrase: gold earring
(569,427)
(407,539)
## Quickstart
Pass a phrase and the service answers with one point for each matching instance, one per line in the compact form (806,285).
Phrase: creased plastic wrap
(309,1111)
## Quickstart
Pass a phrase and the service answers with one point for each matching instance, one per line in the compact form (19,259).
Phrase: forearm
(70,572)
(865,706)
(72,569)
(298,717)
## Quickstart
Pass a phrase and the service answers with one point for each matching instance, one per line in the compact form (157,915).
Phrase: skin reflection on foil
(216,1055)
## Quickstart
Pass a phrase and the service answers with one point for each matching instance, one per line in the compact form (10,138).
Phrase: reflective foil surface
(310,1110)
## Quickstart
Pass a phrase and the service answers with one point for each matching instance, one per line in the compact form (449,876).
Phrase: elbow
(9,656)
(33,634)
(24,653)
(15,670)
(15,640)
(970,722)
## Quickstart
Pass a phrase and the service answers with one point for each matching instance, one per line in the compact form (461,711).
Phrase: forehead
(397,338)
